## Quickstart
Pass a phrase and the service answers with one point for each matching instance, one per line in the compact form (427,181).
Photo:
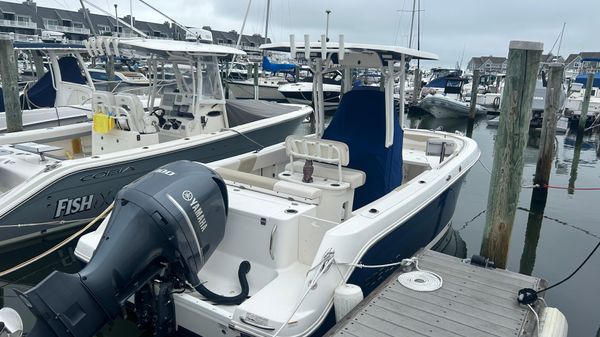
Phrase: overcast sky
(448,27)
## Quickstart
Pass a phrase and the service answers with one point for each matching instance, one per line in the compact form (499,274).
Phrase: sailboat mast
(562,32)
(131,13)
(412,24)
(86,14)
(267,21)
(419,33)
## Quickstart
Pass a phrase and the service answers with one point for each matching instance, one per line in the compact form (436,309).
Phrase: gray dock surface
(473,301)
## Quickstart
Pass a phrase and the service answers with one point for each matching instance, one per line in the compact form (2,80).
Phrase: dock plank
(472,302)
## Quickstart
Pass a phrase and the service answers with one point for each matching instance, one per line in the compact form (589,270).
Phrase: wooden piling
(255,75)
(38,62)
(475,85)
(597,144)
(551,109)
(515,115)
(586,102)
(10,86)
(416,87)
(110,72)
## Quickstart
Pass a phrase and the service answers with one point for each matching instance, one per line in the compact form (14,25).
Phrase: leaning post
(551,109)
(585,105)
(515,115)
(10,86)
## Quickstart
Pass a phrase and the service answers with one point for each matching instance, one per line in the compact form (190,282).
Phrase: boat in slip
(59,95)
(257,244)
(301,92)
(55,178)
(443,95)
(266,87)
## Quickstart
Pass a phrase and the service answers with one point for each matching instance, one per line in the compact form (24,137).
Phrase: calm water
(549,245)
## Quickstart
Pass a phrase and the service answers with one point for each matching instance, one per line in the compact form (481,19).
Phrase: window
(22,18)
(103,29)
(78,25)
(50,22)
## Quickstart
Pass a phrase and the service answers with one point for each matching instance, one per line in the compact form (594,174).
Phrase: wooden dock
(473,301)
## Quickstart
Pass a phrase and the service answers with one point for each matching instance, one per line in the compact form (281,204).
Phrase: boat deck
(473,301)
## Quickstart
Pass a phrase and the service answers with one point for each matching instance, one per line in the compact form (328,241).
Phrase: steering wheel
(161,118)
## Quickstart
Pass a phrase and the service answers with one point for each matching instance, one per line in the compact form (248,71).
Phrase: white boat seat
(130,107)
(337,183)
(103,102)
(353,177)
(306,192)
(320,150)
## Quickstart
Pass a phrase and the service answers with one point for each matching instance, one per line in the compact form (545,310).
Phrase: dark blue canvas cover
(1,100)
(42,94)
(277,67)
(582,78)
(360,123)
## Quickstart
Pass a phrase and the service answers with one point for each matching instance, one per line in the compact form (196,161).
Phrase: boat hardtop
(99,45)
(390,52)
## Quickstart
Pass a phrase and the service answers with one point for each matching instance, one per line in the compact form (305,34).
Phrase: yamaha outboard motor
(163,228)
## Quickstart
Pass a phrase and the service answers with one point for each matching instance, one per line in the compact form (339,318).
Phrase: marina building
(27,21)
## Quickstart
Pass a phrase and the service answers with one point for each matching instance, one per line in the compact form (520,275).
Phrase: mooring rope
(546,185)
(59,245)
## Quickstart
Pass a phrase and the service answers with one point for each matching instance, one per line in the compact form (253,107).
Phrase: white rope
(537,320)
(59,245)
(485,167)
(326,262)
(421,280)
(490,173)
(47,223)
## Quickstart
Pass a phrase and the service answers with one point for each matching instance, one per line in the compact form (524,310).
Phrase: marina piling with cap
(473,103)
(255,75)
(10,87)
(475,84)
(416,87)
(551,109)
(507,171)
(585,105)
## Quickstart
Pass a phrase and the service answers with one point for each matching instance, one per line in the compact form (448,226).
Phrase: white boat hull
(444,107)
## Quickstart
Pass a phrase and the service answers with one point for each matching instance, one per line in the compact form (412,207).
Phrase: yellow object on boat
(103,123)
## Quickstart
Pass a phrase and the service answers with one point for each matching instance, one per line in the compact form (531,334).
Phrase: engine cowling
(165,224)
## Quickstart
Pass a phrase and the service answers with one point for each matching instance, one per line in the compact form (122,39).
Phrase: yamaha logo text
(188,196)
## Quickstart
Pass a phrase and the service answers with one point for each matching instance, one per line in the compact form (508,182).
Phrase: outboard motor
(163,228)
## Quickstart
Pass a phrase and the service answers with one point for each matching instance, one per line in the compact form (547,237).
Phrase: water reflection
(532,233)
(575,163)
(452,244)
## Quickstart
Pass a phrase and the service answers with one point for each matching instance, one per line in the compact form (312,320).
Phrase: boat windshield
(209,79)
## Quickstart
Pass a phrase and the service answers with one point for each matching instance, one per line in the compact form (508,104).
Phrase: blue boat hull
(401,243)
